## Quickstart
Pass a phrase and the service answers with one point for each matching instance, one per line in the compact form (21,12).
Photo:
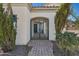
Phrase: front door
(39,29)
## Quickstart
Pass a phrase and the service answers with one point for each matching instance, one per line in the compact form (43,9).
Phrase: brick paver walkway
(41,48)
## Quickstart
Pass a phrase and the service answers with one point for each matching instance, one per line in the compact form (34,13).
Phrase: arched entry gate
(39,28)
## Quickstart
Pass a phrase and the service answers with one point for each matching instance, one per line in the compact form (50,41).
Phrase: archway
(39,28)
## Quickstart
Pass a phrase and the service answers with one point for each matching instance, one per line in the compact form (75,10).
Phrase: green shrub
(7,31)
(67,42)
(1,25)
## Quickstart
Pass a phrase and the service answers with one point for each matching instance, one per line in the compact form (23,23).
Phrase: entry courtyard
(43,29)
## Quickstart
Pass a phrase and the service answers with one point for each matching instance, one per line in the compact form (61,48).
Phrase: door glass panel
(41,28)
(35,28)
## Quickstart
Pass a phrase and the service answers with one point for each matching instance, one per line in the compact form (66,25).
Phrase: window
(15,21)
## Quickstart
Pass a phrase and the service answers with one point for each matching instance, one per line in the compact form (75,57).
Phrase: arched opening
(39,28)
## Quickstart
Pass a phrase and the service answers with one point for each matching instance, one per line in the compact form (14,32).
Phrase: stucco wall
(50,17)
(23,24)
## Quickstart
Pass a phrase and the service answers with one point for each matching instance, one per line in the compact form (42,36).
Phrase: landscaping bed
(59,52)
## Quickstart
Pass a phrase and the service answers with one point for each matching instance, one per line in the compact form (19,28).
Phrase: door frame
(31,26)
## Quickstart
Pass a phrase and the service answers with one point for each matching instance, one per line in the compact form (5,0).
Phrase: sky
(37,4)
(75,7)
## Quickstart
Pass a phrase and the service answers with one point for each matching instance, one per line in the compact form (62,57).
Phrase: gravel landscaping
(20,50)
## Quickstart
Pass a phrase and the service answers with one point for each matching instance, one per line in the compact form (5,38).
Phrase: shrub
(7,31)
(67,42)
